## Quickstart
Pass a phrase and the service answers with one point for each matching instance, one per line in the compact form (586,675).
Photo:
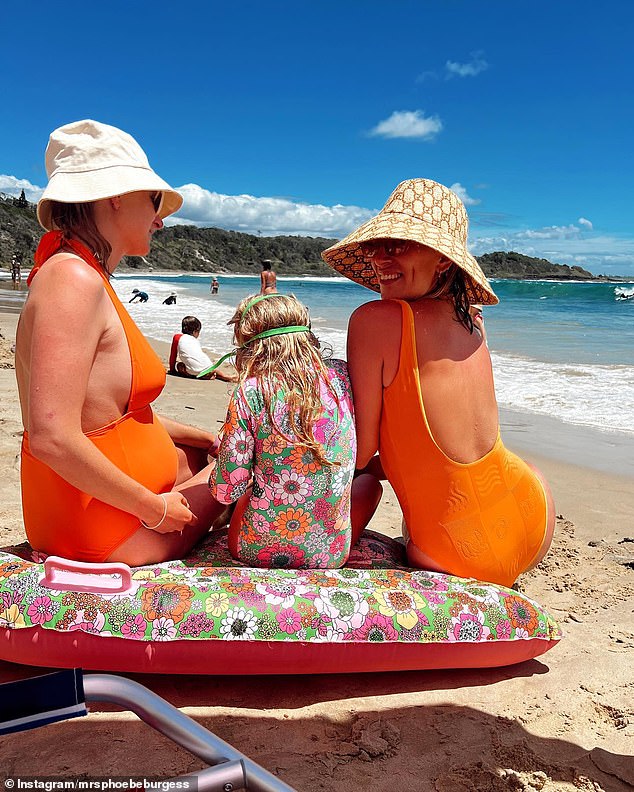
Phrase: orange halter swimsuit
(60,519)
(485,519)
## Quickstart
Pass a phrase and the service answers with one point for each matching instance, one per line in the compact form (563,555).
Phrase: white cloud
(570,231)
(475,67)
(269,216)
(461,192)
(550,232)
(12,186)
(426,75)
(408,124)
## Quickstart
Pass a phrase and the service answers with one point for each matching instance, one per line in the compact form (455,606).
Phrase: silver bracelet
(160,522)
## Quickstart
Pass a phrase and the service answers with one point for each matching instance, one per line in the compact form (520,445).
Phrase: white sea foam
(162,321)
(623,293)
(589,395)
(230,275)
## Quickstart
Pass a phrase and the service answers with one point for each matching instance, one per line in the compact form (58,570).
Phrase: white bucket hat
(422,211)
(88,161)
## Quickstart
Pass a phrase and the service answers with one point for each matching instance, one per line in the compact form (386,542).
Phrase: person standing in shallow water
(268,279)
(103,477)
(16,269)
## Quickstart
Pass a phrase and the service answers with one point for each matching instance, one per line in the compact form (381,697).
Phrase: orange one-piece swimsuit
(60,519)
(485,519)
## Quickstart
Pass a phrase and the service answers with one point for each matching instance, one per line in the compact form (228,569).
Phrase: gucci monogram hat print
(422,211)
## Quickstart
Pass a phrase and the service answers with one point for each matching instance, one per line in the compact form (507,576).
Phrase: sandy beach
(560,723)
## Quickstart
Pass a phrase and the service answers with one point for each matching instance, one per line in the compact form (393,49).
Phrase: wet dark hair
(78,220)
(266,264)
(190,324)
(452,285)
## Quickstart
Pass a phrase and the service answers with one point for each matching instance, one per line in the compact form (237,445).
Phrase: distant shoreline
(6,283)
(307,276)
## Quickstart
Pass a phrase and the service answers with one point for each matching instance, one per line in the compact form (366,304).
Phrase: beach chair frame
(229,771)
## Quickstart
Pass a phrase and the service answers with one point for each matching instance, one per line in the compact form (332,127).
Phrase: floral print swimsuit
(298,513)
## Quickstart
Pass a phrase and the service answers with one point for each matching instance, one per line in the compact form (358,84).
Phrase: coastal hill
(517,265)
(192,249)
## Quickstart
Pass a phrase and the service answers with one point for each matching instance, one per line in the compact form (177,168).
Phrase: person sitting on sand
(290,426)
(268,279)
(103,477)
(187,358)
(424,396)
(141,296)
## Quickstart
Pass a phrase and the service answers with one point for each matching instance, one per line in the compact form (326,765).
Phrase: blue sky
(302,117)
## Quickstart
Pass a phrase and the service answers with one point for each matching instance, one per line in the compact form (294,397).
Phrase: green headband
(255,301)
(275,331)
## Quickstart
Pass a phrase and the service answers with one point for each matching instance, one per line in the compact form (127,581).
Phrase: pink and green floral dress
(298,514)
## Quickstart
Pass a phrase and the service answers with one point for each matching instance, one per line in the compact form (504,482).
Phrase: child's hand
(214,448)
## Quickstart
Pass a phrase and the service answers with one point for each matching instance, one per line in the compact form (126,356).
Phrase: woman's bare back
(456,381)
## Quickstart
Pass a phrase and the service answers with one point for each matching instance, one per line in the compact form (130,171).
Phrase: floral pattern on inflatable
(376,597)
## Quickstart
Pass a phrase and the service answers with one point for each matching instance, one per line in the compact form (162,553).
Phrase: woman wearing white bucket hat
(424,396)
(103,478)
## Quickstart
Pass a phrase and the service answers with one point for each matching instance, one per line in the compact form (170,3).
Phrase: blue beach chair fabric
(38,701)
(41,700)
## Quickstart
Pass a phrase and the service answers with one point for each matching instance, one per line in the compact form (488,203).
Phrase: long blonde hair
(289,362)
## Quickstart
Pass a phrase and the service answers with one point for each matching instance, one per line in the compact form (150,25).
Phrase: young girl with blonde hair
(288,448)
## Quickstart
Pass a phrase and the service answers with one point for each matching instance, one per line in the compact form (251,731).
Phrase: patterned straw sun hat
(423,211)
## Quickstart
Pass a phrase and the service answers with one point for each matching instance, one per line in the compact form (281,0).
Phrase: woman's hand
(176,514)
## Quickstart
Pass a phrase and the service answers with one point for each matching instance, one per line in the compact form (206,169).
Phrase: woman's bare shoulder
(67,272)
(67,261)
(68,291)
(376,326)
(382,311)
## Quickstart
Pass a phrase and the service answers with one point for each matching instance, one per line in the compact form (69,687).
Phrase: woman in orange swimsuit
(103,477)
(424,395)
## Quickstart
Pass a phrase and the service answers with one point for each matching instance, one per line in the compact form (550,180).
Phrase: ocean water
(560,349)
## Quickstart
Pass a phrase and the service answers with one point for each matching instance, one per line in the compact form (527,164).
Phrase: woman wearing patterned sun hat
(424,394)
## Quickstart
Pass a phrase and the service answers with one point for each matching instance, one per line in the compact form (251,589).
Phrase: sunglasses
(157,200)
(390,247)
